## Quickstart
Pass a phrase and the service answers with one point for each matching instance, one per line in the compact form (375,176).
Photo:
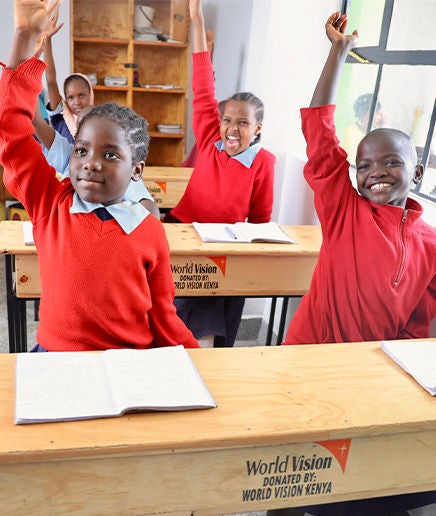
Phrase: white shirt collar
(128,214)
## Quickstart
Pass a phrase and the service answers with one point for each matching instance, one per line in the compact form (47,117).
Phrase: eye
(243,122)
(110,156)
(80,152)
(362,167)
(225,120)
(393,163)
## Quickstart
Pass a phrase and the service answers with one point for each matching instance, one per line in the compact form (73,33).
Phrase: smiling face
(238,126)
(77,95)
(386,165)
(101,162)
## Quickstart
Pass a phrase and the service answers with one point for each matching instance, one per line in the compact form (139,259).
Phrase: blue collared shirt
(246,157)
(128,214)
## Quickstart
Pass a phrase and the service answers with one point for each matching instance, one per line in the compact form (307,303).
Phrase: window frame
(380,56)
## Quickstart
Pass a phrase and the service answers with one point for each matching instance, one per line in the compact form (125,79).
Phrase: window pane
(368,26)
(428,184)
(413,25)
(407,94)
(353,105)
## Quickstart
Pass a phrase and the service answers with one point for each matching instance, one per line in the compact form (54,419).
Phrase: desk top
(183,240)
(167,173)
(265,396)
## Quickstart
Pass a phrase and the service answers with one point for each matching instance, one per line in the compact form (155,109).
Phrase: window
(390,78)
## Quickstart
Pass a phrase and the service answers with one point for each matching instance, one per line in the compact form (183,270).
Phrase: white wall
(61,42)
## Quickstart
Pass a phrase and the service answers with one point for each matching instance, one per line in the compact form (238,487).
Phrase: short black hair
(135,127)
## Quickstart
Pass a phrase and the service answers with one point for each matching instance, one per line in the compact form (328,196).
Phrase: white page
(28,233)
(416,358)
(265,231)
(156,379)
(61,386)
(216,232)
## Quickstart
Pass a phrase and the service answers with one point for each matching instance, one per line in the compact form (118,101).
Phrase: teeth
(232,138)
(380,186)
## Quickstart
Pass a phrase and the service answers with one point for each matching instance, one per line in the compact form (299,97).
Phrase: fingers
(338,21)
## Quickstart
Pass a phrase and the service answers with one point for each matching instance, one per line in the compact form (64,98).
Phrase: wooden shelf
(102,43)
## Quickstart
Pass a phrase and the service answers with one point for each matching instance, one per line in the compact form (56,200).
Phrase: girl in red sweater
(232,179)
(106,279)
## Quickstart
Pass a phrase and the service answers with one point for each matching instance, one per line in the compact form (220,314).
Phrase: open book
(416,358)
(85,385)
(242,232)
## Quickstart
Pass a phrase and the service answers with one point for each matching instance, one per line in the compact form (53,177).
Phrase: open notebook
(242,232)
(416,358)
(66,386)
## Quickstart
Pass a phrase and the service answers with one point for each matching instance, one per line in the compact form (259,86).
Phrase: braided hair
(135,127)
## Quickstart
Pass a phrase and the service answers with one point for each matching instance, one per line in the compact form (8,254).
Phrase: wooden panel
(161,64)
(286,432)
(102,59)
(101,18)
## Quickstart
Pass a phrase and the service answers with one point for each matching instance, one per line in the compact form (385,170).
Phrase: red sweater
(376,274)
(101,288)
(222,189)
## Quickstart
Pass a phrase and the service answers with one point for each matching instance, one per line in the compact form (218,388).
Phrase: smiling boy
(376,274)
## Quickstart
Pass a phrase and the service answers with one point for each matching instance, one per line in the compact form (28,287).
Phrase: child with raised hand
(376,274)
(232,180)
(78,92)
(105,270)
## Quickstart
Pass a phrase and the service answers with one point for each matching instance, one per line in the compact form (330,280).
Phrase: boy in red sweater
(376,274)
(232,180)
(105,271)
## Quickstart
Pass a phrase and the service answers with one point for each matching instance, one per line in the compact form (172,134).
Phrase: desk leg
(282,321)
(16,309)
(272,313)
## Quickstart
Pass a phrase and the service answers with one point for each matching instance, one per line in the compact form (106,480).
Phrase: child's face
(385,165)
(238,126)
(77,95)
(101,162)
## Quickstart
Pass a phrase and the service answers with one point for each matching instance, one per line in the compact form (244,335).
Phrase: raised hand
(34,15)
(335,29)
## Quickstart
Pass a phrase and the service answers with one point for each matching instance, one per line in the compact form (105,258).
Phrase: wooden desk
(199,269)
(166,184)
(295,425)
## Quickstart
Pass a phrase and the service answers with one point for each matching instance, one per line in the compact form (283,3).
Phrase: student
(232,180)
(105,283)
(376,274)
(57,149)
(78,92)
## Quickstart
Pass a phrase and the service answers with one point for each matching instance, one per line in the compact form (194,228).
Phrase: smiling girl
(232,179)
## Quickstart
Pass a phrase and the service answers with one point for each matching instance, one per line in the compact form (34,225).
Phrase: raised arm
(199,39)
(43,131)
(326,88)
(54,95)
(31,17)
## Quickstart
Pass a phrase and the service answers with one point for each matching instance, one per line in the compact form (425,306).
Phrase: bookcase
(150,76)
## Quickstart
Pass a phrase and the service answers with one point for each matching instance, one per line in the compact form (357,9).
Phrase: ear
(417,177)
(258,128)
(137,171)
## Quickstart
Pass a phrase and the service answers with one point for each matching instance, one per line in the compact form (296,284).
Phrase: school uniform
(104,283)
(376,274)
(222,188)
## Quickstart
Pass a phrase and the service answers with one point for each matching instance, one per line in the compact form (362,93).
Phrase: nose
(377,170)
(92,164)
